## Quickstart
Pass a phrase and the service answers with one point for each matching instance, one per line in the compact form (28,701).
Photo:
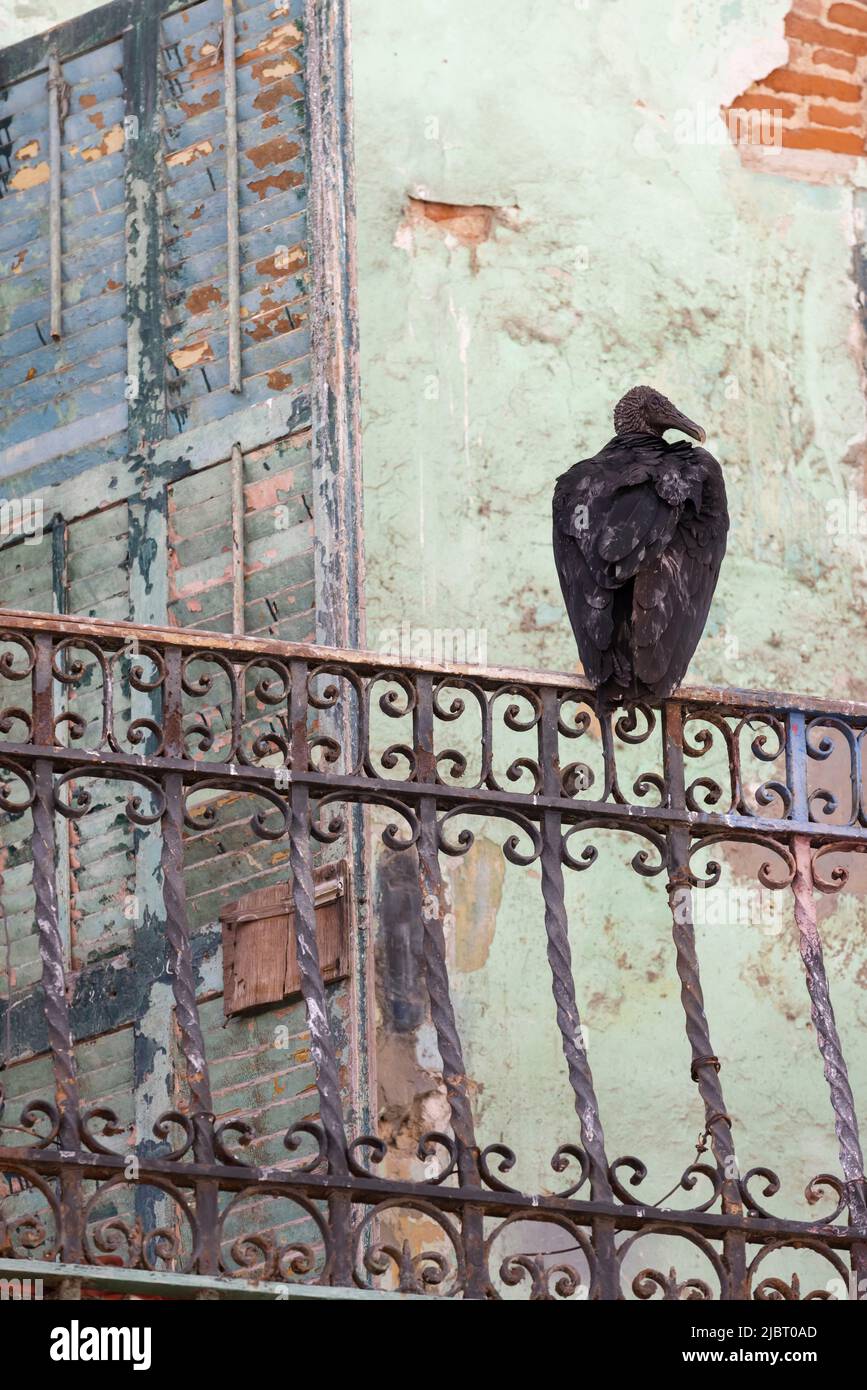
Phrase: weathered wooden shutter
(272,235)
(81,569)
(61,396)
(126,425)
(150,281)
(277,545)
(27,577)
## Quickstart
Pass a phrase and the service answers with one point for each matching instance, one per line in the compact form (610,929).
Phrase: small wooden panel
(260,965)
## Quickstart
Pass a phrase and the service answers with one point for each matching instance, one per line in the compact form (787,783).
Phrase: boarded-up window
(260,963)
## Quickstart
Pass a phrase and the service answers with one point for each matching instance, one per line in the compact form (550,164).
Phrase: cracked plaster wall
(626,239)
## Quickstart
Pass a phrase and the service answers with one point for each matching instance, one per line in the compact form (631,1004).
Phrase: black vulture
(639,537)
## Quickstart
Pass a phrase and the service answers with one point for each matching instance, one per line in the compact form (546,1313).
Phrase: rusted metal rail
(274,749)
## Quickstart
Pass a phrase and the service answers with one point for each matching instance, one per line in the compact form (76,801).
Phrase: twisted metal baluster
(827,1037)
(568,1018)
(705,1065)
(322,1048)
(821,1011)
(51,951)
(563,987)
(180,967)
(434,909)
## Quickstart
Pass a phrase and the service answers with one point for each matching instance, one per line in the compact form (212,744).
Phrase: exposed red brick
(831,59)
(470,223)
(811,85)
(850,16)
(835,141)
(831,115)
(807,29)
(820,110)
(763,101)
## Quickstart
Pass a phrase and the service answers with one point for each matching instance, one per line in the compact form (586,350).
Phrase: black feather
(639,536)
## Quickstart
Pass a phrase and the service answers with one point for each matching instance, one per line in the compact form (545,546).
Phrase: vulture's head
(649,412)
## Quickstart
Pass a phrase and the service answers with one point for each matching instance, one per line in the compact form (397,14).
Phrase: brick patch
(817,100)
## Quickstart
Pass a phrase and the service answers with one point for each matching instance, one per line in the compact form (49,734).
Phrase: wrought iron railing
(300,732)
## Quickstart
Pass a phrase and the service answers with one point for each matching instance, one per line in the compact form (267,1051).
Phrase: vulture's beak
(677,421)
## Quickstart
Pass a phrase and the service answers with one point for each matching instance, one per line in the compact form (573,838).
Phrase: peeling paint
(280,38)
(271,72)
(289,178)
(477,893)
(197,108)
(270,98)
(111,142)
(30,177)
(190,154)
(282,263)
(201,298)
(186,357)
(280,150)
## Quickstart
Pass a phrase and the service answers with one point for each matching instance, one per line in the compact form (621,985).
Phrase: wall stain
(477,892)
(458,224)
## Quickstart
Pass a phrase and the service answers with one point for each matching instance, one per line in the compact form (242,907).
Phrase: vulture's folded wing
(609,522)
(588,599)
(673,591)
(638,551)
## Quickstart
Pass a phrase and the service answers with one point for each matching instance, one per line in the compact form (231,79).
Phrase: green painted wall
(628,257)
(621,255)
